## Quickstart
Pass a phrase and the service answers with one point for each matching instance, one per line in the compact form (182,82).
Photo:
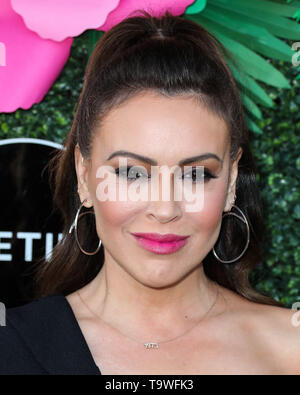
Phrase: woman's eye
(198,177)
(135,172)
(131,173)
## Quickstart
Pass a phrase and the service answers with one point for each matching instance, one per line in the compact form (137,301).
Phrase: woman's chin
(159,280)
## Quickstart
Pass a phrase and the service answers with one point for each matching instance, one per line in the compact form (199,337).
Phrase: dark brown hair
(172,56)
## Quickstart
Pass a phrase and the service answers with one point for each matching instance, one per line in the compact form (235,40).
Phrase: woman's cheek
(116,214)
(211,214)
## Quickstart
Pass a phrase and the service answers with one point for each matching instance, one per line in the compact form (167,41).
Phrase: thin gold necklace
(154,345)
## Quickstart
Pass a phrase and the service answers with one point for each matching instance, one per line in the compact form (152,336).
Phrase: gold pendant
(151,345)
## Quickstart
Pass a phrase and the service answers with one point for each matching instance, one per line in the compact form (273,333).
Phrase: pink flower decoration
(36,39)
(58,19)
(31,64)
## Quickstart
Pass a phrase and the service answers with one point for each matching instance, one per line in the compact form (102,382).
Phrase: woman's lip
(158,247)
(160,237)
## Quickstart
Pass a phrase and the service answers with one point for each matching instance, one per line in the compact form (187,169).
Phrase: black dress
(43,337)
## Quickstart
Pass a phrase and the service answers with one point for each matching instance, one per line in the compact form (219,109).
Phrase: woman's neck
(142,311)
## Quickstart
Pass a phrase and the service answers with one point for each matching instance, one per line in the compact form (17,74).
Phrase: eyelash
(207,174)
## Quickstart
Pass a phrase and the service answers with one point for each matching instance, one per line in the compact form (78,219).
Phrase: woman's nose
(163,205)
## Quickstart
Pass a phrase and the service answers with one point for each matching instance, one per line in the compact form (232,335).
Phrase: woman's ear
(81,166)
(231,193)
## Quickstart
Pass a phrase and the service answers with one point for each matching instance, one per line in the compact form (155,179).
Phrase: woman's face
(165,130)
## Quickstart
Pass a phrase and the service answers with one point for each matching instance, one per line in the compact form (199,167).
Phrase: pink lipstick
(160,244)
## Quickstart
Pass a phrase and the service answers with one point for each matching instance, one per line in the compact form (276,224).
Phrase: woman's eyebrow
(154,162)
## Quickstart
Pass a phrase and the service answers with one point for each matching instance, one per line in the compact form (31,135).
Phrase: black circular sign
(29,227)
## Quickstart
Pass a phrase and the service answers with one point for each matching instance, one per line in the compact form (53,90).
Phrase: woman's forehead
(162,125)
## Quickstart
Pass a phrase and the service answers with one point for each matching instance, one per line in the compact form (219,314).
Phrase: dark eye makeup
(131,174)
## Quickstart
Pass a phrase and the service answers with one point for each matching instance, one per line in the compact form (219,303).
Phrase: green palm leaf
(252,126)
(262,7)
(254,37)
(248,85)
(249,29)
(277,25)
(246,59)
(251,107)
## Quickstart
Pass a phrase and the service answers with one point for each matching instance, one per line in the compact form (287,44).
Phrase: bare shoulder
(272,331)
(283,326)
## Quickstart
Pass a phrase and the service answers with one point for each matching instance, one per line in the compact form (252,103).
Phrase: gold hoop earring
(244,219)
(74,225)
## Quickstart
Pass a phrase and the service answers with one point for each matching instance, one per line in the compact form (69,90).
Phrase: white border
(31,141)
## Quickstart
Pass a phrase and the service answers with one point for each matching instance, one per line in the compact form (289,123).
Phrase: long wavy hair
(173,56)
